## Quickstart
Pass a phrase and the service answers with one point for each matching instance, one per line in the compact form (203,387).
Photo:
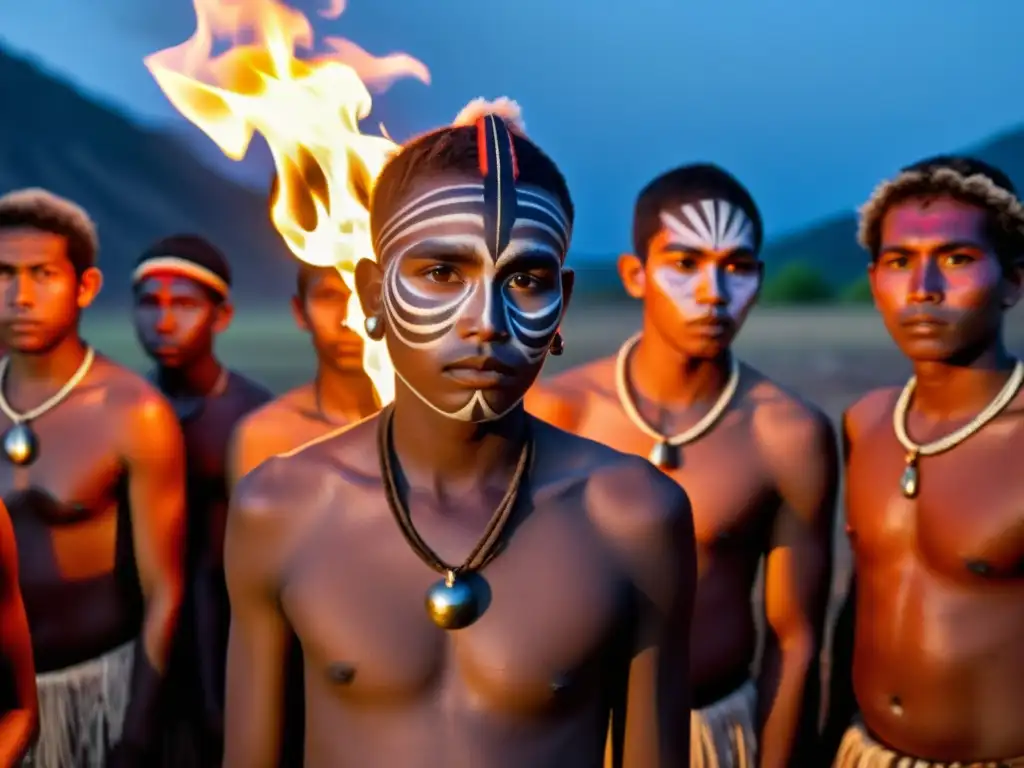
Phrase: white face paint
(436,231)
(708,287)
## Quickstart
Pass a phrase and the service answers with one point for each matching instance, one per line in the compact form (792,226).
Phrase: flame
(308,111)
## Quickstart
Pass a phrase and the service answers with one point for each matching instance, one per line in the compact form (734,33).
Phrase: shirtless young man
(92,472)
(340,394)
(181,287)
(19,709)
(759,464)
(928,647)
(518,660)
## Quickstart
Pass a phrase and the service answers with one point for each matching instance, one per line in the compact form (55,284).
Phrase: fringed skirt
(81,711)
(859,750)
(724,734)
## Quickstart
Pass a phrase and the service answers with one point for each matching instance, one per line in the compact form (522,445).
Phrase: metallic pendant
(666,455)
(21,445)
(909,481)
(452,603)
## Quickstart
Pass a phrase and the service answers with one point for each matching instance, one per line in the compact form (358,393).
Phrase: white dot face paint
(440,275)
(703,287)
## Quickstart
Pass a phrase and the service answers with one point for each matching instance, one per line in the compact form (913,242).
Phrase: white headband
(183,267)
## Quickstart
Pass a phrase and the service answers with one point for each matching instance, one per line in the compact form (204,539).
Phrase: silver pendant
(666,455)
(21,445)
(909,482)
(452,603)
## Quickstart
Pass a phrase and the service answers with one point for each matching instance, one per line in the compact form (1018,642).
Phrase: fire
(308,111)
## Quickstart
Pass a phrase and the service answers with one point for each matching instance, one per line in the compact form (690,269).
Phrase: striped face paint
(715,226)
(482,254)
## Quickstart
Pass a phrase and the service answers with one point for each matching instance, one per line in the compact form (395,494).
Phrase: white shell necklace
(20,444)
(666,453)
(910,483)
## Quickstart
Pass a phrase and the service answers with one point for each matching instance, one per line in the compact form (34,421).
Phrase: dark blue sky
(809,102)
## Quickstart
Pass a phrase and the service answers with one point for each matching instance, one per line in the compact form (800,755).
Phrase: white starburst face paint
(703,287)
(441,274)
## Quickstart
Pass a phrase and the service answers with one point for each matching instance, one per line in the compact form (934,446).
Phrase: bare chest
(729,486)
(77,466)
(64,506)
(966,519)
(553,604)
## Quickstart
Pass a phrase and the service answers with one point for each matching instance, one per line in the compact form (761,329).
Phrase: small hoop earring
(557,344)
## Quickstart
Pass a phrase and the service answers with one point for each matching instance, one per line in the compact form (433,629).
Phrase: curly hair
(964,179)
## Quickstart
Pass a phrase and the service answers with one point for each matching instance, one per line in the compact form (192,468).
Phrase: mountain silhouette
(138,184)
(831,245)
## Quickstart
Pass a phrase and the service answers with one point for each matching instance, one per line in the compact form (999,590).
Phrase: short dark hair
(44,211)
(453,149)
(962,178)
(687,184)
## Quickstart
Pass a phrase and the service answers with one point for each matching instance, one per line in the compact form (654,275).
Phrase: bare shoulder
(122,386)
(784,423)
(140,408)
(310,481)
(582,377)
(348,453)
(631,498)
(266,419)
(274,503)
(275,487)
(262,524)
(625,496)
(645,520)
(872,409)
(562,399)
